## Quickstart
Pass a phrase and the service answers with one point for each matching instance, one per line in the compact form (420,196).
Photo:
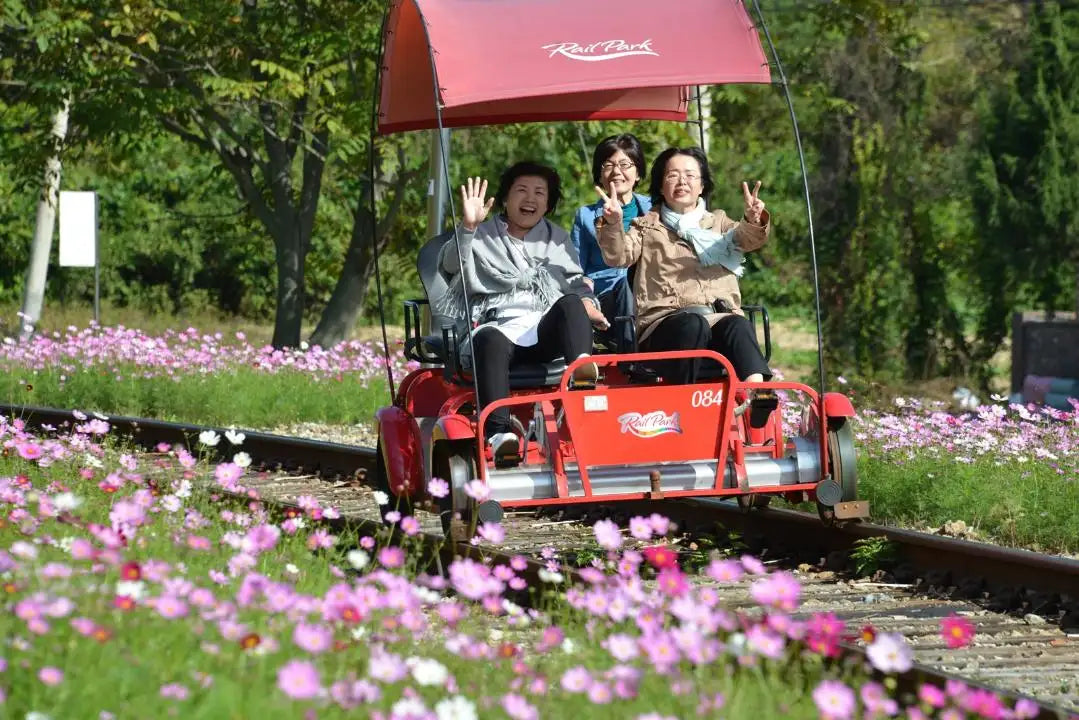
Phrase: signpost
(78,237)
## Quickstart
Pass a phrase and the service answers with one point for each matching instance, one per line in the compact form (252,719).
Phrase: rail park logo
(603,50)
(650,425)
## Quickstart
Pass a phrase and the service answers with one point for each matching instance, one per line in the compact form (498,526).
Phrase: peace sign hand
(754,205)
(612,209)
(473,208)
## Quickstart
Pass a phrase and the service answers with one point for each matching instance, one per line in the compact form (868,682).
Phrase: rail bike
(630,435)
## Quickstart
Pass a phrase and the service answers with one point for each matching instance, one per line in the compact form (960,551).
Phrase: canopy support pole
(374,205)
(700,118)
(443,136)
(805,187)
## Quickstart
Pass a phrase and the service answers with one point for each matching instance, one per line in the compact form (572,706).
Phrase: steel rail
(331,460)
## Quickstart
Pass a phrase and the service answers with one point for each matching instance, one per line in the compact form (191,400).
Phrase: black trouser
(618,302)
(731,337)
(564,331)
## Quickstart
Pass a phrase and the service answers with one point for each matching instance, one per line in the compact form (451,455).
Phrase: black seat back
(434,280)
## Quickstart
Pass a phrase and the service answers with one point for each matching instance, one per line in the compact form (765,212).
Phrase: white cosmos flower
(92,461)
(457,707)
(66,501)
(568,646)
(381,498)
(133,589)
(428,671)
(548,576)
(242,459)
(358,632)
(209,438)
(409,707)
(292,569)
(358,559)
(184,491)
(236,438)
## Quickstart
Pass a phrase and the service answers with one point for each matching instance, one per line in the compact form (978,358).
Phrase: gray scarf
(712,248)
(500,273)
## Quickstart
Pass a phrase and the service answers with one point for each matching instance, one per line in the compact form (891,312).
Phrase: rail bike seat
(444,348)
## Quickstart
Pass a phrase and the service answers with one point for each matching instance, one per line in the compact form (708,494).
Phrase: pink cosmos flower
(299,680)
(29,451)
(170,607)
(640,528)
(478,490)
(518,708)
(438,487)
(51,675)
(321,539)
(932,695)
(600,693)
(660,525)
(410,526)
(608,534)
(672,581)
(198,542)
(576,679)
(492,532)
(174,691)
(834,700)
(312,638)
(391,557)
(753,565)
(956,631)
(780,590)
(890,653)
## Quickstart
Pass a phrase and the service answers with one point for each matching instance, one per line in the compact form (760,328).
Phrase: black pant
(618,302)
(731,337)
(564,331)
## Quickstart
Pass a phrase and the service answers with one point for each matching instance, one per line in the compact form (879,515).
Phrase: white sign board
(78,229)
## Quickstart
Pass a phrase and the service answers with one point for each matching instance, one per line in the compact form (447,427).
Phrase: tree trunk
(345,303)
(290,257)
(37,272)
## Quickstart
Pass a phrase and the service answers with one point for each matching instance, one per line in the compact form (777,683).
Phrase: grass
(1017,504)
(243,397)
(162,626)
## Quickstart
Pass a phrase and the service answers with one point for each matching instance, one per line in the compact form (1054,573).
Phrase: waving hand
(473,207)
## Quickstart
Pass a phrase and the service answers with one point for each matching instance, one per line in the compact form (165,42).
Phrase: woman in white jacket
(529,300)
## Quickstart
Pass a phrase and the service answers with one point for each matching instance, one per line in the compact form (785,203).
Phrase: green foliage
(872,554)
(1026,179)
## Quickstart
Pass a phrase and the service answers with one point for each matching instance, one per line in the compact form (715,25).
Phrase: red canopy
(502,61)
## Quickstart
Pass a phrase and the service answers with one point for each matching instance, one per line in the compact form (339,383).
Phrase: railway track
(1017,651)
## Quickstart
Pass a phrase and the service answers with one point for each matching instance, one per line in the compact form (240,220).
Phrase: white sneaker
(504,443)
(587,374)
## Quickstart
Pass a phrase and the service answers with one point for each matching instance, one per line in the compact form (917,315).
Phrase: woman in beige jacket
(688,261)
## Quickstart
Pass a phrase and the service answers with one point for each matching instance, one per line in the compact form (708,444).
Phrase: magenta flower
(299,680)
(780,590)
(834,700)
(956,631)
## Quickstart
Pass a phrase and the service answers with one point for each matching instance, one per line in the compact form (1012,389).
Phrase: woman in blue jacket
(617,167)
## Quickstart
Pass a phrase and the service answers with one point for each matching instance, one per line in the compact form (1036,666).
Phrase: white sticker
(595,403)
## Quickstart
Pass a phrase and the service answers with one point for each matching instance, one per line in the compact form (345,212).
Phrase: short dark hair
(529,167)
(659,169)
(627,143)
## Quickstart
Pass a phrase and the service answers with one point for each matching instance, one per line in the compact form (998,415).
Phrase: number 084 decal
(706,398)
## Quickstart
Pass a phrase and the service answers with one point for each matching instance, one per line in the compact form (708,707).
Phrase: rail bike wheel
(382,482)
(752,501)
(453,461)
(843,462)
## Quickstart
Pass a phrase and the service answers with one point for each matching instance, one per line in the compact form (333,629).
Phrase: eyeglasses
(674,176)
(624,166)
